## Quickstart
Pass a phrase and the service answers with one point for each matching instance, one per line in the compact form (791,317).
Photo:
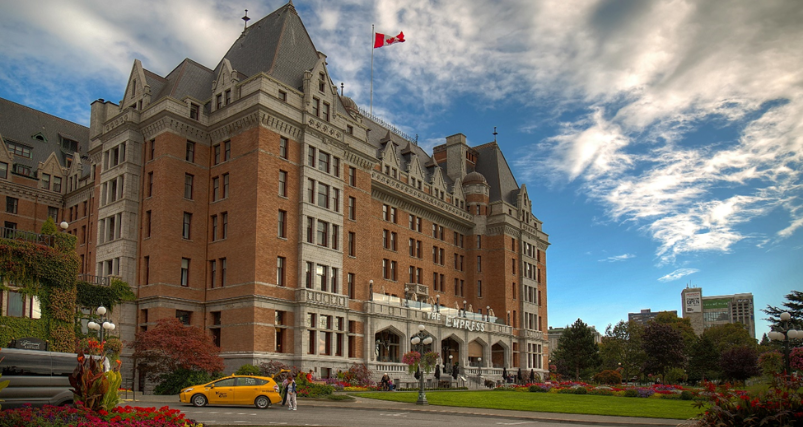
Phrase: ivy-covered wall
(48,273)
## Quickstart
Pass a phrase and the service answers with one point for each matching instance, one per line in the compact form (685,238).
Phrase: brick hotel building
(257,202)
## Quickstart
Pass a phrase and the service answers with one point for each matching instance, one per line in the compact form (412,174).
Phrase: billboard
(691,302)
(716,304)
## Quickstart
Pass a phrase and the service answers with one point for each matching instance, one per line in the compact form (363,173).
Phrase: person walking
(291,395)
(285,381)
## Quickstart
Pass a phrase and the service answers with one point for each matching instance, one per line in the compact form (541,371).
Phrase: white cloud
(677,274)
(616,258)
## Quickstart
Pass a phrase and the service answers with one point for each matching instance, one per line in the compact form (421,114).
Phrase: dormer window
(321,82)
(195,111)
(228,96)
(219,101)
(316,106)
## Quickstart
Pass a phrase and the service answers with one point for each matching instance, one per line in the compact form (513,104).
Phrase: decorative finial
(495,133)
(245,18)
(342,90)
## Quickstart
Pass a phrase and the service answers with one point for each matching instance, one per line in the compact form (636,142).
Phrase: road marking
(514,424)
(400,414)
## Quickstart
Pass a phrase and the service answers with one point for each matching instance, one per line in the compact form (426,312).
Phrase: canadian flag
(381,40)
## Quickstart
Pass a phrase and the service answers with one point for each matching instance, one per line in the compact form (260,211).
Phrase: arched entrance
(475,351)
(387,347)
(498,356)
(450,353)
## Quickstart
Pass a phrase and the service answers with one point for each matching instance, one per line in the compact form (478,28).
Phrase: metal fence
(27,236)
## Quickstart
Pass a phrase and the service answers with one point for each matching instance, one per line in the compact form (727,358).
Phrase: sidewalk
(372,404)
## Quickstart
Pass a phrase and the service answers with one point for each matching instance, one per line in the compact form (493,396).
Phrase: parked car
(36,377)
(234,390)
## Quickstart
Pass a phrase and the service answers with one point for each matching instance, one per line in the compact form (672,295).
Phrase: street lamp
(64,225)
(785,333)
(421,339)
(106,324)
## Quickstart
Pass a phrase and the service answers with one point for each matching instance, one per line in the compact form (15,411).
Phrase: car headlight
(187,390)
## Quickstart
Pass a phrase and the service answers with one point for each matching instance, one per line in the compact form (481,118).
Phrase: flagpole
(371,105)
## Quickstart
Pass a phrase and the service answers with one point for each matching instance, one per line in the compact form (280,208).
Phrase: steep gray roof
(21,124)
(277,45)
(188,79)
(492,165)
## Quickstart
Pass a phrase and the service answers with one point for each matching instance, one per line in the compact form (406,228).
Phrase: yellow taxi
(234,390)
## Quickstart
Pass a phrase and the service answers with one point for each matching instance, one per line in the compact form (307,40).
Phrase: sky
(661,142)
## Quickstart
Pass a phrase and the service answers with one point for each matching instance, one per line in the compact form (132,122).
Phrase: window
(147,263)
(53,213)
(350,284)
(352,244)
(479,264)
(479,242)
(224,226)
(479,288)
(316,106)
(22,170)
(352,176)
(283,183)
(283,96)
(323,233)
(148,224)
(216,155)
(225,185)
(280,262)
(283,147)
(385,212)
(215,188)
(335,235)
(385,272)
(282,223)
(190,154)
(311,157)
(57,184)
(323,161)
(12,205)
(214,227)
(228,96)
(3,170)
(195,113)
(308,275)
(19,150)
(310,229)
(213,273)
(185,233)
(350,129)
(336,200)
(325,111)
(411,248)
(311,190)
(393,270)
(352,208)
(393,215)
(150,184)
(219,101)
(323,195)
(188,180)
(185,272)
(336,167)
(46,181)
(393,241)
(223,272)
(226,151)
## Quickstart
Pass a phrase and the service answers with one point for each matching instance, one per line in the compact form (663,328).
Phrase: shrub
(173,382)
(602,391)
(771,363)
(781,405)
(608,377)
(631,393)
(537,389)
(580,390)
(674,376)
(270,369)
(57,416)
(315,390)
(686,395)
(248,370)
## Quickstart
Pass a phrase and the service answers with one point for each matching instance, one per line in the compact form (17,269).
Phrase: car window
(246,381)
(227,382)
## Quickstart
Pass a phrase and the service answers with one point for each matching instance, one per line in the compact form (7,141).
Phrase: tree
(740,363)
(793,305)
(724,337)
(577,349)
(49,227)
(664,347)
(622,344)
(170,346)
(704,360)
(679,324)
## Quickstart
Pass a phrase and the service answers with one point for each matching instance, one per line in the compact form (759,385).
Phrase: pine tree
(577,349)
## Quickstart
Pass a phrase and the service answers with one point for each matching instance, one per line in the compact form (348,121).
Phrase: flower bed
(658,391)
(79,416)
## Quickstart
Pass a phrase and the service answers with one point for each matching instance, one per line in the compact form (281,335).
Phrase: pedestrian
(285,381)
(291,395)
(385,381)
(309,376)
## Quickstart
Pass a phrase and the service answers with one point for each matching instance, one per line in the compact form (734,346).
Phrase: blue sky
(661,141)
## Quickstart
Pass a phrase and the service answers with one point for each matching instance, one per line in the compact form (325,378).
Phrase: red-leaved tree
(171,345)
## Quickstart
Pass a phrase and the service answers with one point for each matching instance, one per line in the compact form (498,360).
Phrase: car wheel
(198,400)
(262,402)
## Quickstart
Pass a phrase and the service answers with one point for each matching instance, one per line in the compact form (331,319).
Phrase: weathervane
(494,133)
(245,18)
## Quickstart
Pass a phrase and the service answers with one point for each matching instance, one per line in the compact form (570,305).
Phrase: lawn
(552,402)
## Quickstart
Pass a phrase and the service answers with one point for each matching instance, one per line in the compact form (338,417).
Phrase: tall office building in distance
(705,312)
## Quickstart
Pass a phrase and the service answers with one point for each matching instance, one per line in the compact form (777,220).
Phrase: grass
(552,402)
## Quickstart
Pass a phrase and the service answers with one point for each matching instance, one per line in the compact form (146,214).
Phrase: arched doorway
(475,351)
(498,356)
(450,353)
(387,347)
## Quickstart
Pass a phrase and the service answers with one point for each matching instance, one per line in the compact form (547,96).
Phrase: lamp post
(421,339)
(785,332)
(105,325)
